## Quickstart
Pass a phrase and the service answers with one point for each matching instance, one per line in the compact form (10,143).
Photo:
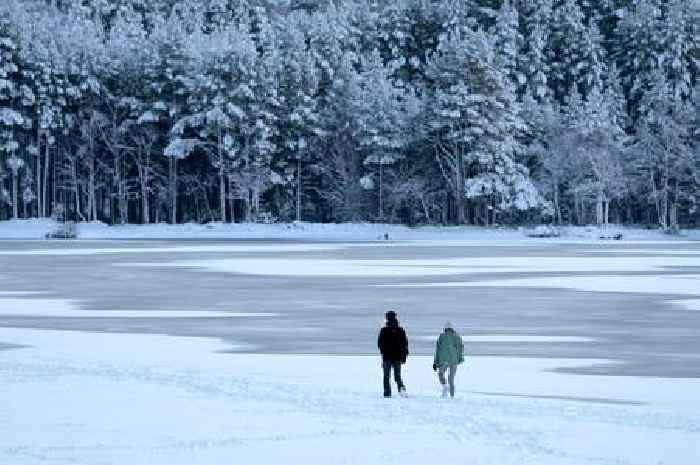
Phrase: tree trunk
(76,191)
(673,216)
(232,200)
(118,182)
(39,212)
(222,194)
(173,190)
(606,213)
(557,208)
(299,187)
(45,188)
(54,194)
(599,210)
(426,212)
(247,208)
(459,191)
(145,207)
(222,180)
(255,201)
(663,216)
(381,190)
(123,196)
(92,200)
(15,205)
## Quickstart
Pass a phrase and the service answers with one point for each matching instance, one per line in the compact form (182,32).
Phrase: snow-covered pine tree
(664,148)
(553,146)
(298,124)
(382,118)
(575,51)
(508,41)
(342,184)
(257,96)
(653,34)
(171,85)
(535,17)
(11,119)
(600,144)
(473,122)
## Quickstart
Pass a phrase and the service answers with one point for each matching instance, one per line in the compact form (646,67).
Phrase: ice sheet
(515,338)
(431,267)
(58,308)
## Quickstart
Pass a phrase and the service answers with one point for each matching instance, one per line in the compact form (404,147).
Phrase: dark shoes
(402,393)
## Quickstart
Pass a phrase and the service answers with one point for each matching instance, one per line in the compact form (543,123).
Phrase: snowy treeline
(413,111)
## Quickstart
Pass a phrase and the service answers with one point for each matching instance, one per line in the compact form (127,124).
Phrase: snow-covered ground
(78,385)
(38,228)
(149,399)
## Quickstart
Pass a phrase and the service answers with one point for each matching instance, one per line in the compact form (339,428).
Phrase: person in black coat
(393,346)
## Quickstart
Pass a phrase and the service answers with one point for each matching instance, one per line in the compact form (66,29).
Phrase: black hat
(390,315)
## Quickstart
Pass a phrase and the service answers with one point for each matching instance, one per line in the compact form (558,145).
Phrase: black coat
(393,343)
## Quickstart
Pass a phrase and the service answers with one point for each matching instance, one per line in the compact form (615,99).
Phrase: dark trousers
(388,365)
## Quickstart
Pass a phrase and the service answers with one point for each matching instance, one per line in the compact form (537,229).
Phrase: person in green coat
(449,353)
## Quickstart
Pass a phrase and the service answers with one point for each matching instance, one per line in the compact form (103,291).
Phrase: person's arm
(436,360)
(460,348)
(380,341)
(404,344)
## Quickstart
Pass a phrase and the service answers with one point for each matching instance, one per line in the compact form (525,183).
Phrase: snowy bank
(38,228)
(89,398)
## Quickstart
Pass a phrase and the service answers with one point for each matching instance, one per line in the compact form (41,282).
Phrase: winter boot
(402,392)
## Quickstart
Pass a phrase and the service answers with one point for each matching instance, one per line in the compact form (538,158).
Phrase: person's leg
(397,376)
(441,374)
(441,377)
(453,373)
(386,366)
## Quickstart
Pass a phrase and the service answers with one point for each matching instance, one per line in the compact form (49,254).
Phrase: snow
(691,305)
(433,267)
(13,293)
(276,248)
(311,267)
(515,338)
(681,284)
(649,251)
(149,399)
(58,308)
(37,229)
(180,148)
(148,117)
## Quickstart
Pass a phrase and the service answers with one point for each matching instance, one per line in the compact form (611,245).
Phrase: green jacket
(449,349)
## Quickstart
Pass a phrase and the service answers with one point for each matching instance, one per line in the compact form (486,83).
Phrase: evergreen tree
(508,43)
(382,119)
(473,123)
(664,152)
(12,122)
(299,121)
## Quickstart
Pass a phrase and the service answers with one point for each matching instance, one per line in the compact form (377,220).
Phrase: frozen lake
(634,303)
(578,353)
